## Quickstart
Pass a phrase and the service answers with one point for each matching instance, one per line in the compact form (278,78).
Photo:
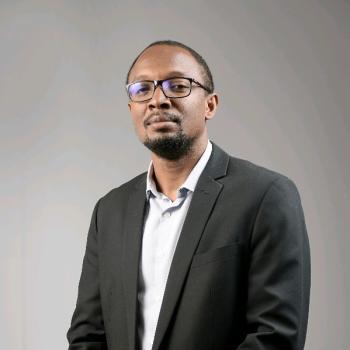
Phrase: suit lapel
(131,254)
(203,201)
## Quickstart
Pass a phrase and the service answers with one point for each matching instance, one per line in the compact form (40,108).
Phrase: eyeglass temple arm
(199,84)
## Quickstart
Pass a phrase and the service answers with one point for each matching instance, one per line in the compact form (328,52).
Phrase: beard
(172,147)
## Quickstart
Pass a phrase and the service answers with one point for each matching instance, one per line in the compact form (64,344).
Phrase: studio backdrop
(282,72)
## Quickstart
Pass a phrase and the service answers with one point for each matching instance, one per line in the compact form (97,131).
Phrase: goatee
(170,147)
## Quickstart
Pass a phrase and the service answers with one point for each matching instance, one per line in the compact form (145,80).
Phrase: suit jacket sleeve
(87,327)
(279,272)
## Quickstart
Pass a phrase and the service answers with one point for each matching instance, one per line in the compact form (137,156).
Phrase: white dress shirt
(162,227)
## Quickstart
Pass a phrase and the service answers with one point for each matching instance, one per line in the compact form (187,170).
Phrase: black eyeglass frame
(157,83)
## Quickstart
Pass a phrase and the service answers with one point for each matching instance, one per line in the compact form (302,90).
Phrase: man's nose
(159,100)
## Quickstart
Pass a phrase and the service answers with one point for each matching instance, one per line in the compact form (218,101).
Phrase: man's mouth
(160,120)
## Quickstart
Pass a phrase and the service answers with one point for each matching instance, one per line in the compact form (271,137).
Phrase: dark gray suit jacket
(239,279)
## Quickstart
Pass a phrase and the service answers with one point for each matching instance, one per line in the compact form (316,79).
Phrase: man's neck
(169,175)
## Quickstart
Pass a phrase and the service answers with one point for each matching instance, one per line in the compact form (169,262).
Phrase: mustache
(162,117)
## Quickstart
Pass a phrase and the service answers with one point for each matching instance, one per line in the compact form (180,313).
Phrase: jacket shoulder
(255,176)
(241,171)
(122,192)
(249,168)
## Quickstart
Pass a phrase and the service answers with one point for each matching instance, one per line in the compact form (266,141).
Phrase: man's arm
(279,273)
(87,328)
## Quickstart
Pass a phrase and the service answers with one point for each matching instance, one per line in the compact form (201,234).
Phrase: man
(204,251)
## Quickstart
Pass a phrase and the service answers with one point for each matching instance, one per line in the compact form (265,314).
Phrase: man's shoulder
(252,182)
(123,191)
(250,169)
(243,173)
(239,167)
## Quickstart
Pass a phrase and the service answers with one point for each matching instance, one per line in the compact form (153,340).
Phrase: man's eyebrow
(171,74)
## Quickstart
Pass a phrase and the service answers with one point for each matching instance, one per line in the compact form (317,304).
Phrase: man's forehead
(164,61)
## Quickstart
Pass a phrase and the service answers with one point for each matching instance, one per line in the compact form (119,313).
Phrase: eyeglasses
(177,87)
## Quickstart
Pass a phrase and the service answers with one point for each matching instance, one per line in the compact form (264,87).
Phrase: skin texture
(151,118)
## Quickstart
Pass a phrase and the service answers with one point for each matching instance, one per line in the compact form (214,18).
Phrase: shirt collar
(192,179)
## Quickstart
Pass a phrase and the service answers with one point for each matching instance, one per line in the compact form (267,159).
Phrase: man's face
(170,127)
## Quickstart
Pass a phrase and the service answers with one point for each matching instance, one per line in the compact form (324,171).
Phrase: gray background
(282,70)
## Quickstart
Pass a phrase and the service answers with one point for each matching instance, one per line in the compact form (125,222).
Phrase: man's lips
(161,120)
(162,125)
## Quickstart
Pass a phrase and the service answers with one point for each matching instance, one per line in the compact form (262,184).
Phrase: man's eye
(178,87)
(142,90)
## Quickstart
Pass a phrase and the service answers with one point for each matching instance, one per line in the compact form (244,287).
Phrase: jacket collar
(216,166)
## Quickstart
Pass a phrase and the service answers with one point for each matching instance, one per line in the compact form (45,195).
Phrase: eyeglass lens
(175,87)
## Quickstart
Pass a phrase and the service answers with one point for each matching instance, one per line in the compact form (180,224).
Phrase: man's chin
(170,146)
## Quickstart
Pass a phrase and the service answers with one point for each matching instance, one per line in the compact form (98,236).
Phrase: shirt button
(167,214)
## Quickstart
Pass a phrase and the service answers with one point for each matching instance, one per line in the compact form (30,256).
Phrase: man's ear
(212,102)
(129,105)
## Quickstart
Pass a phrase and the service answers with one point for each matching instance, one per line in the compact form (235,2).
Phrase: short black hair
(207,76)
